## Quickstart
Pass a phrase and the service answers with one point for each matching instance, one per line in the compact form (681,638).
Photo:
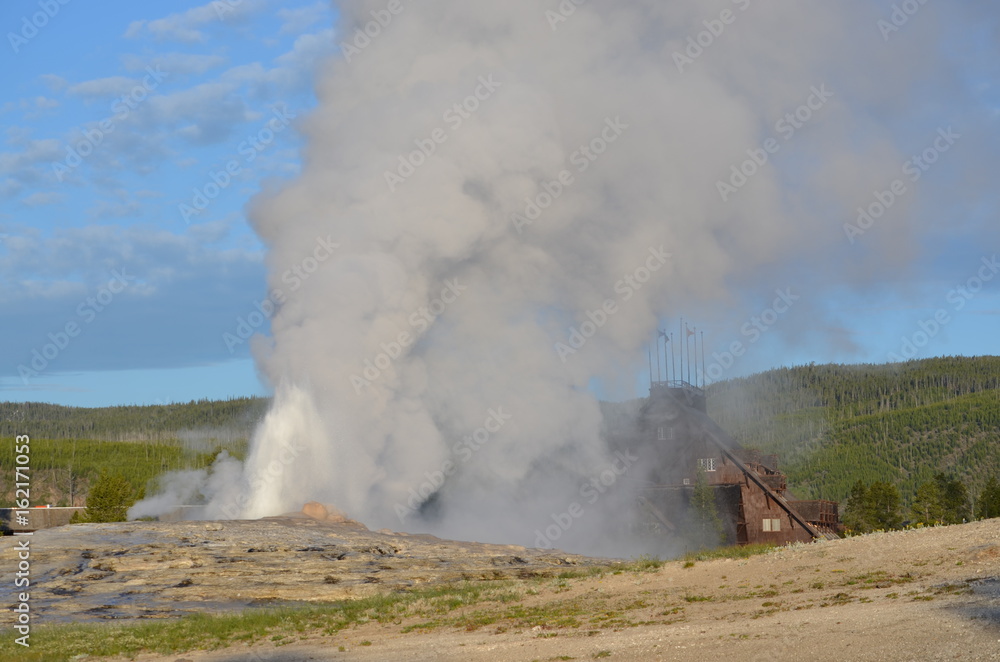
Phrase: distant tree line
(65,470)
(833,425)
(942,500)
(234,418)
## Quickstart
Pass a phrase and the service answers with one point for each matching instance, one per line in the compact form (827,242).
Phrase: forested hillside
(228,419)
(833,425)
(830,425)
(71,446)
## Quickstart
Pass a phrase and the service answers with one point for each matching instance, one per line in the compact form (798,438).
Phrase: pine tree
(110,498)
(883,500)
(954,499)
(859,516)
(989,500)
(926,507)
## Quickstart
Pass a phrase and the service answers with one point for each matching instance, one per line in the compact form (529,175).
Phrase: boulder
(315,510)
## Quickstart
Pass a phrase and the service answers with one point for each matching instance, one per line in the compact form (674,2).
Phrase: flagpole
(658,378)
(674,356)
(697,363)
(696,378)
(688,350)
(666,357)
(650,353)
(703,365)
(681,348)
(696,360)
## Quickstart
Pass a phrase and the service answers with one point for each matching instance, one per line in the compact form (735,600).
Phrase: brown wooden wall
(757,506)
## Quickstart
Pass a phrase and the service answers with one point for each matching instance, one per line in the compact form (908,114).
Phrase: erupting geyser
(506,203)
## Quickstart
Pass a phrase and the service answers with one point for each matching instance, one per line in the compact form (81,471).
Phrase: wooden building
(677,442)
(26,520)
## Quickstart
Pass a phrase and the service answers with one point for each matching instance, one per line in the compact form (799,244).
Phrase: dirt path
(930,594)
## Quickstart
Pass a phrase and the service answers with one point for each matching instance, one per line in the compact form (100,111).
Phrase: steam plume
(433,162)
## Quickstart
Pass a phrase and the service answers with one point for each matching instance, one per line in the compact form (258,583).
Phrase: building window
(707,464)
(661,434)
(772,524)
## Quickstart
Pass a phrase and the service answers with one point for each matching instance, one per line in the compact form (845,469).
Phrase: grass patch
(697,598)
(879,579)
(838,599)
(554,615)
(961,588)
(732,552)
(284,625)
(593,571)
(642,564)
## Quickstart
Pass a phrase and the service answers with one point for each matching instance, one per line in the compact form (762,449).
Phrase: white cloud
(107,209)
(10,187)
(40,103)
(298,19)
(103,87)
(175,63)
(186,26)
(42,198)
(32,107)
(54,82)
(204,114)
(34,153)
(293,73)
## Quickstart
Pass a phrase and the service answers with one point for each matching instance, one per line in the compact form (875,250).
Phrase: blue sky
(125,251)
(157,102)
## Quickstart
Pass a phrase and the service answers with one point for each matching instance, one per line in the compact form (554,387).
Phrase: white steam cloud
(495,206)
